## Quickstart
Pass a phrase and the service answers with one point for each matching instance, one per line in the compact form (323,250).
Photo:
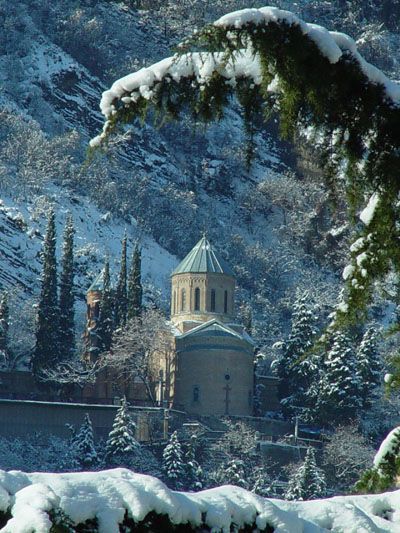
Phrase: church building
(212,369)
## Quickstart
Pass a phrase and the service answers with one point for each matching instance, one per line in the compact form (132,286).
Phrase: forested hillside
(274,221)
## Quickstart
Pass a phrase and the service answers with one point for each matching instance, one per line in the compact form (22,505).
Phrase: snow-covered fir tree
(296,368)
(232,472)
(172,463)
(368,366)
(339,395)
(84,446)
(308,482)
(121,443)
(193,471)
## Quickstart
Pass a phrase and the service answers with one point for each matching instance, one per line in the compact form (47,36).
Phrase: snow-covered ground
(109,494)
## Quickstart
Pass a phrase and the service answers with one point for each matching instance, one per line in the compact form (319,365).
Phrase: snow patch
(367,214)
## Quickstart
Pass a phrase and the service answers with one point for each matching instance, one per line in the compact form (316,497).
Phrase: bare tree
(346,456)
(140,349)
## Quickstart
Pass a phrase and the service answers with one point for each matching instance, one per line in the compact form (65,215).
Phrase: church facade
(211,371)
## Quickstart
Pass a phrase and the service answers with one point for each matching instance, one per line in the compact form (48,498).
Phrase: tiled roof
(203,258)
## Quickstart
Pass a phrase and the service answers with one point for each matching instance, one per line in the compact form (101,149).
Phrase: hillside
(164,185)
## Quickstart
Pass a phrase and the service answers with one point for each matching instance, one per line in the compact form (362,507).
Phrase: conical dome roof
(202,259)
(98,283)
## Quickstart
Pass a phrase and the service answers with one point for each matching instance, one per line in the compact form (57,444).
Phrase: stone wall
(21,418)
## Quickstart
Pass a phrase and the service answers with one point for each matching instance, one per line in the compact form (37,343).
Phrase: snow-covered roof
(109,495)
(203,259)
(98,283)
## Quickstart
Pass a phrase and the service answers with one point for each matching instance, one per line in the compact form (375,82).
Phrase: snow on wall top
(243,64)
(107,495)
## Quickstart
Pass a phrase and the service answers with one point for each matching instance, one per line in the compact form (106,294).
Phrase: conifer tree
(135,290)
(105,326)
(66,299)
(172,463)
(308,482)
(193,471)
(83,443)
(47,347)
(368,365)
(296,368)
(121,297)
(121,443)
(233,473)
(4,325)
(339,396)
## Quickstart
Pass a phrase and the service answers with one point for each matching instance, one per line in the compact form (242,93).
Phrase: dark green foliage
(332,97)
(105,326)
(121,296)
(4,324)
(66,299)
(47,347)
(121,444)
(135,290)
(172,463)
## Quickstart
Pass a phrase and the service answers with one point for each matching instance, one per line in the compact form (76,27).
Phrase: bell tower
(203,288)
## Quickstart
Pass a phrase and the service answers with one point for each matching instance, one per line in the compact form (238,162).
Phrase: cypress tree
(47,347)
(105,326)
(193,471)
(4,324)
(121,296)
(135,290)
(66,300)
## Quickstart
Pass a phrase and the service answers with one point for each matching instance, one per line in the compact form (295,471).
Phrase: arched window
(212,300)
(96,310)
(197,299)
(225,301)
(196,393)
(174,303)
(183,300)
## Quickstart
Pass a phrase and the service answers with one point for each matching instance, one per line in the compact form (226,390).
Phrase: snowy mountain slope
(170,182)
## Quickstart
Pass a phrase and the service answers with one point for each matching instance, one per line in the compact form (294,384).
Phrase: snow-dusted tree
(339,393)
(135,290)
(172,463)
(232,472)
(135,345)
(105,325)
(66,298)
(47,331)
(121,443)
(84,446)
(193,471)
(368,366)
(308,482)
(296,368)
(346,455)
(121,296)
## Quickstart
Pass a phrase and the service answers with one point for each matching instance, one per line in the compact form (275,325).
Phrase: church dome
(203,259)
